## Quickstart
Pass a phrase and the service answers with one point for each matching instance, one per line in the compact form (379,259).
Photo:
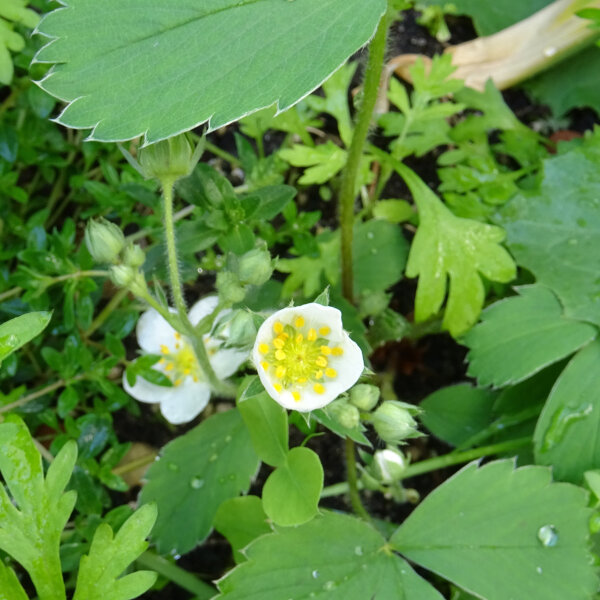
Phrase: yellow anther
(330,372)
(280,372)
(296,396)
(177,382)
(169,367)
(195,379)
(263,348)
(187,371)
(161,361)
(265,365)
(337,351)
(299,322)
(299,338)
(318,374)
(321,361)
(319,388)
(177,335)
(177,346)
(326,350)
(280,355)
(279,343)
(278,327)
(312,335)
(324,331)
(164,349)
(301,380)
(278,386)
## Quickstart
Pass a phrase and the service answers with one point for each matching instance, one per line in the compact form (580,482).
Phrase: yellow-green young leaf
(566,434)
(10,588)
(100,570)
(159,67)
(324,161)
(291,492)
(519,336)
(241,520)
(449,255)
(20,330)
(196,472)
(500,532)
(335,556)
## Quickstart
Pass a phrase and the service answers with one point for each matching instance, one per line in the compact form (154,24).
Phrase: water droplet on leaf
(173,467)
(358,551)
(315,574)
(548,536)
(196,483)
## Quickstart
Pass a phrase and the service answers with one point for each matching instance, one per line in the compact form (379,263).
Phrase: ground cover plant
(296,303)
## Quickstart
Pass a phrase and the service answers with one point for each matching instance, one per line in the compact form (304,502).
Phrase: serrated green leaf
(500,532)
(20,330)
(195,473)
(566,434)
(266,422)
(241,520)
(519,336)
(100,570)
(554,232)
(452,252)
(291,492)
(324,162)
(335,556)
(157,69)
(456,413)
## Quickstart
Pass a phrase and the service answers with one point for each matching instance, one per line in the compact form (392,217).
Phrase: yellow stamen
(324,330)
(177,382)
(164,349)
(318,374)
(195,379)
(280,372)
(278,343)
(321,361)
(169,367)
(277,327)
(319,388)
(280,355)
(326,350)
(177,335)
(302,380)
(263,348)
(299,322)
(296,396)
(278,386)
(161,361)
(177,346)
(299,338)
(187,371)
(330,372)
(265,365)
(337,351)
(312,335)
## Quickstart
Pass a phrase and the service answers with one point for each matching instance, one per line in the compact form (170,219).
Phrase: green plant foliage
(20,330)
(335,556)
(457,413)
(266,422)
(480,521)
(291,492)
(450,252)
(519,336)
(195,473)
(324,161)
(10,588)
(566,435)
(142,50)
(553,232)
(241,520)
(109,556)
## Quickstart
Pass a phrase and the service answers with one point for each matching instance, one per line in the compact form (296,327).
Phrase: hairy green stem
(352,477)
(179,576)
(348,187)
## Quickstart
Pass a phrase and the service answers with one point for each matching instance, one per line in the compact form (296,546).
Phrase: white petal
(186,402)
(202,309)
(225,362)
(153,331)
(144,391)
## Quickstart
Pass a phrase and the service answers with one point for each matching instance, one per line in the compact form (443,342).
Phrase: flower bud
(364,396)
(255,267)
(122,275)
(369,482)
(230,290)
(240,329)
(104,240)
(388,465)
(394,422)
(344,413)
(134,256)
(168,160)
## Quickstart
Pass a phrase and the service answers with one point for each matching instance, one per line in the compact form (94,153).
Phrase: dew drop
(200,270)
(228,438)
(370,235)
(213,457)
(173,467)
(573,242)
(330,585)
(232,477)
(315,574)
(196,483)
(222,479)
(548,536)
(358,551)
(550,51)
(539,570)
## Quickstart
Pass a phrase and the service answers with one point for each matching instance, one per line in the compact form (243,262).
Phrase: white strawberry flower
(304,358)
(190,393)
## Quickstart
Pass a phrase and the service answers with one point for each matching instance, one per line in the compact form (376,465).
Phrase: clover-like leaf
(500,532)
(156,69)
(449,254)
